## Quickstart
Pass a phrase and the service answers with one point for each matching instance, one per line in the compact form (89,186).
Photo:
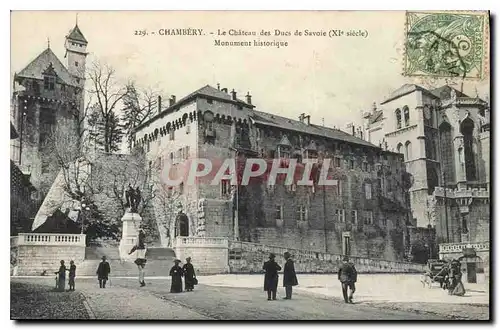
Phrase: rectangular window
(49,83)
(301,213)
(340,215)
(171,135)
(351,164)
(278,212)
(354,216)
(225,187)
(337,161)
(181,188)
(369,217)
(339,187)
(188,128)
(210,101)
(365,166)
(368,190)
(76,64)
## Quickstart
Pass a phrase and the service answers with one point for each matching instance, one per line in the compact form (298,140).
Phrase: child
(72,275)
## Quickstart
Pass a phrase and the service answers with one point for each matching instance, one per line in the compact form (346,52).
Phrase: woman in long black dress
(271,277)
(189,275)
(176,273)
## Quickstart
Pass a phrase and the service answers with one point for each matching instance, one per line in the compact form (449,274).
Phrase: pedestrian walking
(61,277)
(271,269)
(457,287)
(348,276)
(102,272)
(140,261)
(289,276)
(176,273)
(189,276)
(72,275)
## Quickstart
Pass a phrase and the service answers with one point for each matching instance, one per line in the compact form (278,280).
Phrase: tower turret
(76,54)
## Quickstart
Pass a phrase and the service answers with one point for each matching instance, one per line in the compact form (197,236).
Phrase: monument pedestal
(131,223)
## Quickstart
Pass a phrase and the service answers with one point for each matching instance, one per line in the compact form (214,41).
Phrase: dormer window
(49,83)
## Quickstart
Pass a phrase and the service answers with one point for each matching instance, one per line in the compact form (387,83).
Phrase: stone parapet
(462,193)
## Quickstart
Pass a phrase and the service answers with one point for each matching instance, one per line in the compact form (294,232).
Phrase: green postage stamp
(447,44)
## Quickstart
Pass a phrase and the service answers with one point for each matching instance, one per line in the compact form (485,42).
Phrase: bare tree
(139,105)
(108,93)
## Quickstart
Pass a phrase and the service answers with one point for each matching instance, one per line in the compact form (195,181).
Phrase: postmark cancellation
(447,44)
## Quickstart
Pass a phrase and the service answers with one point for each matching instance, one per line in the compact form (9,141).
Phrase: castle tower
(76,54)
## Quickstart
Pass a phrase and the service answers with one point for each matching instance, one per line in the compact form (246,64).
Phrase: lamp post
(84,207)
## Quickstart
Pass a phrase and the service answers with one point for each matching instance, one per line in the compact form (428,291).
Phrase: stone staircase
(159,262)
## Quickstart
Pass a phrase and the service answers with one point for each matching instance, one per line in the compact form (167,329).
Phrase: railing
(52,239)
(459,247)
(201,242)
(307,254)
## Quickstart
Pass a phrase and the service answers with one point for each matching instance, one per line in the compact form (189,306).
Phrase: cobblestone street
(217,299)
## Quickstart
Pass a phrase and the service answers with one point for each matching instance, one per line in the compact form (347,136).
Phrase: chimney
(233,93)
(249,98)
(159,103)
(218,86)
(301,117)
(172,100)
(374,107)
(307,119)
(224,90)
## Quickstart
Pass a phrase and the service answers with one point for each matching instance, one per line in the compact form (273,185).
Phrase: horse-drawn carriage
(437,272)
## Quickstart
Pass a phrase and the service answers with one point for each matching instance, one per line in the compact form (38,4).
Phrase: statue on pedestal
(132,198)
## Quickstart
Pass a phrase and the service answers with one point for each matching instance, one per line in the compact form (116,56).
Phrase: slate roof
(269,119)
(207,90)
(35,68)
(404,90)
(444,92)
(77,35)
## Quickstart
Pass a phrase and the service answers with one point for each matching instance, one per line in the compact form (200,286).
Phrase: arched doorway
(471,266)
(182,225)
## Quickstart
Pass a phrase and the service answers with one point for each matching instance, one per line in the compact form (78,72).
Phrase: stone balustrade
(319,260)
(462,193)
(52,239)
(221,242)
(459,247)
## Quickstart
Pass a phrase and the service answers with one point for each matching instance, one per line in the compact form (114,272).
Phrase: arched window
(446,152)
(398,118)
(466,128)
(399,148)
(406,113)
(407,150)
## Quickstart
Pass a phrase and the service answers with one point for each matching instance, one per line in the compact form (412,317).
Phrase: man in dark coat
(348,276)
(271,277)
(176,273)
(72,275)
(102,272)
(289,276)
(189,275)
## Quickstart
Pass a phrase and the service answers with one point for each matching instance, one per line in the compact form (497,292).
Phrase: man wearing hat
(189,275)
(348,276)
(176,273)
(102,272)
(289,276)
(271,277)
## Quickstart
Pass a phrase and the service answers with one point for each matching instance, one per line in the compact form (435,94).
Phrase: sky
(331,79)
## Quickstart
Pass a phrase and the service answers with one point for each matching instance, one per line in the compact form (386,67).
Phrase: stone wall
(248,258)
(209,255)
(41,253)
